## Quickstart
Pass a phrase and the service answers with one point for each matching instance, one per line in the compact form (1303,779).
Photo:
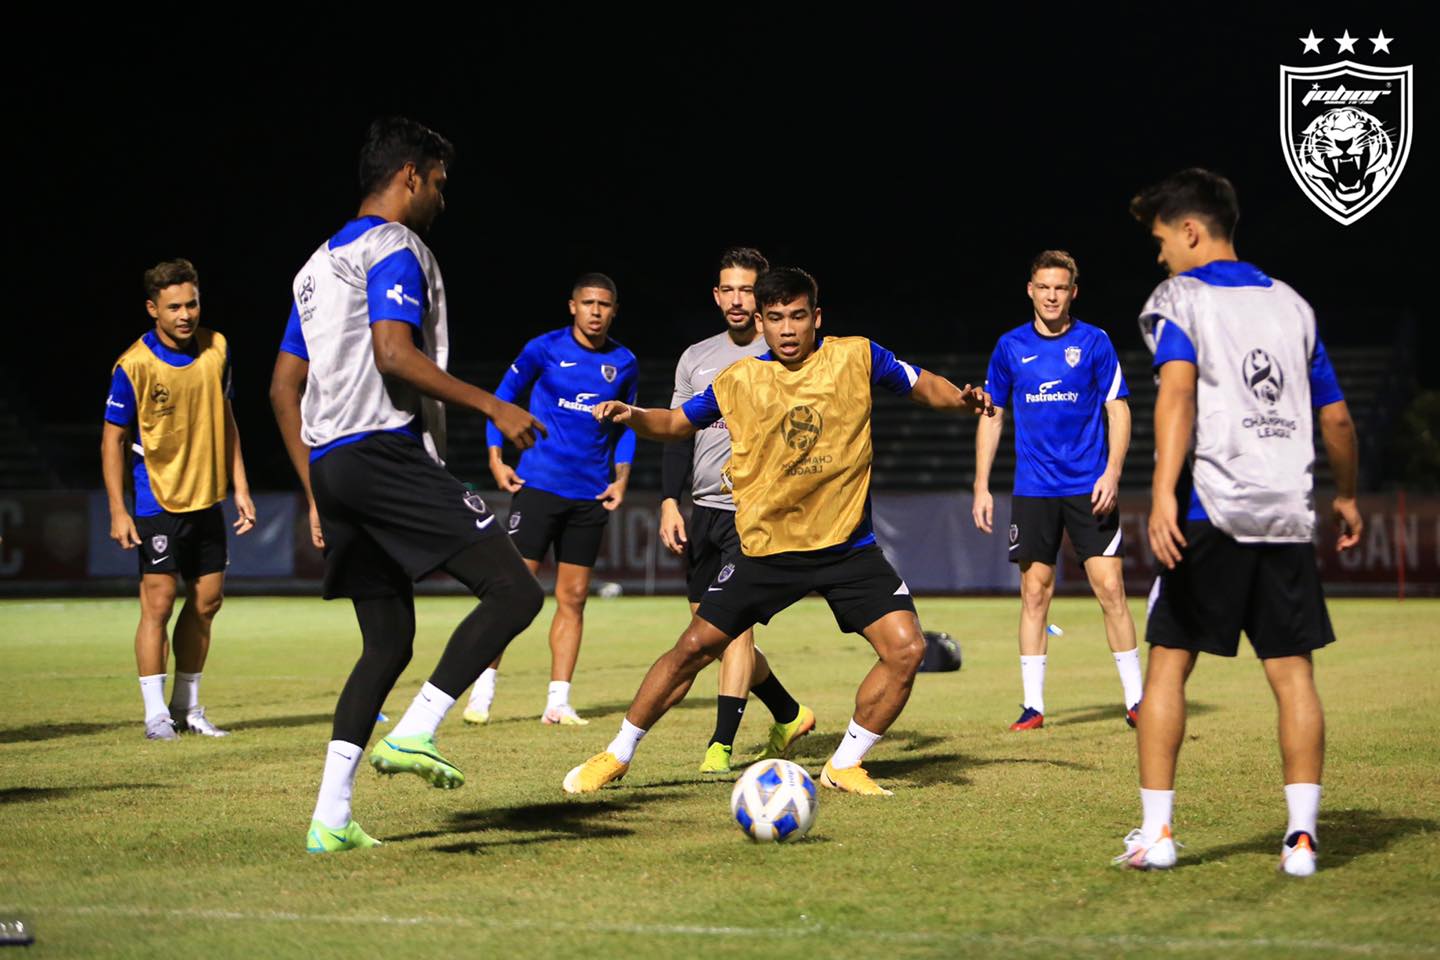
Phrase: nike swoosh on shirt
(158,560)
(568,363)
(714,589)
(482,524)
(1029,358)
(701,373)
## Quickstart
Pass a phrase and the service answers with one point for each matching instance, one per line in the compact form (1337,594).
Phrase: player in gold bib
(799,421)
(170,403)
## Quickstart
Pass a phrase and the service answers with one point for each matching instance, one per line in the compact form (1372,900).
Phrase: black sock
(387,627)
(728,713)
(776,698)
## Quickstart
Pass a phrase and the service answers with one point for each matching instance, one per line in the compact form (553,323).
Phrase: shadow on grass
(1345,835)
(538,823)
(599,711)
(34,794)
(1110,712)
(54,731)
(270,723)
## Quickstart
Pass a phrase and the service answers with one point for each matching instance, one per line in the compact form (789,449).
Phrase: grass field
(995,844)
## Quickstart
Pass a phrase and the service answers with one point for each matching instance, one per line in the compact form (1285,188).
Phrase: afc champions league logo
(1263,376)
(1346,127)
(801,428)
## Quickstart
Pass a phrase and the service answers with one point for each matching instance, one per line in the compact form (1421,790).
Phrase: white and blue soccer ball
(774,801)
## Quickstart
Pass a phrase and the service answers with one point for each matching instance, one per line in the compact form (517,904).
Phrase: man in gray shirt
(1231,523)
(711,543)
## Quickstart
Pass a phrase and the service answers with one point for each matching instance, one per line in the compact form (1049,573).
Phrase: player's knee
(1036,596)
(524,600)
(207,607)
(697,648)
(906,650)
(1110,591)
(571,598)
(157,603)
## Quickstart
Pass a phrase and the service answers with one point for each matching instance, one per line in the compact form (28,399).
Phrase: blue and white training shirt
(371,270)
(566,379)
(1056,388)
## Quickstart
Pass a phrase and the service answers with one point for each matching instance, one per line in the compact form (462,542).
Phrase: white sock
(332,807)
(559,695)
(1303,799)
(625,742)
(853,746)
(483,693)
(426,711)
(186,694)
(152,688)
(1128,663)
(1158,806)
(1032,676)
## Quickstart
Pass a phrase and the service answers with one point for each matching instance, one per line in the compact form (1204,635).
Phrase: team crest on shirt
(1014,533)
(1346,128)
(159,543)
(608,372)
(474,502)
(514,521)
(1072,355)
(726,572)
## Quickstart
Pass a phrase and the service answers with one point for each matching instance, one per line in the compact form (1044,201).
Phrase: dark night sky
(914,163)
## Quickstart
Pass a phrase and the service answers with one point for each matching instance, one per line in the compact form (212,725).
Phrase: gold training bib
(799,447)
(181,417)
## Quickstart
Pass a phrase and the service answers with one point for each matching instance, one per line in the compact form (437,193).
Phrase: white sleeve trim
(1114,384)
(909,372)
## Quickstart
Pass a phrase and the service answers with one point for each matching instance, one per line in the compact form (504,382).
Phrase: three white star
(1381,42)
(1347,43)
(1312,43)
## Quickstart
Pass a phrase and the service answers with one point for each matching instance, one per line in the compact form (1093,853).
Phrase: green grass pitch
(995,844)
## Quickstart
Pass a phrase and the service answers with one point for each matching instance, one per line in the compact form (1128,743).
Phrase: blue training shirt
(1056,388)
(121,410)
(886,371)
(1171,343)
(566,380)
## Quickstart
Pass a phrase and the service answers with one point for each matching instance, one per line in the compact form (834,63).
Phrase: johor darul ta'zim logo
(1346,127)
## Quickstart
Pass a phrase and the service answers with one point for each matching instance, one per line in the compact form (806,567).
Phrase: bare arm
(1174,425)
(934,391)
(396,356)
(1338,432)
(287,386)
(113,443)
(244,506)
(652,424)
(987,442)
(1106,492)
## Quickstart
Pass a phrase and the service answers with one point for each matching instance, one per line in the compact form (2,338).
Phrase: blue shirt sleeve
(894,375)
(1172,343)
(625,443)
(997,376)
(395,288)
(294,340)
(1324,388)
(1108,375)
(520,376)
(120,404)
(702,409)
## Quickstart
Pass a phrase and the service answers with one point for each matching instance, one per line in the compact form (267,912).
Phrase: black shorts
(390,515)
(1270,590)
(713,542)
(539,518)
(190,544)
(1037,524)
(860,586)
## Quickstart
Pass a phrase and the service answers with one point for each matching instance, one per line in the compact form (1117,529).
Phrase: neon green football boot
(323,839)
(415,754)
(717,758)
(784,735)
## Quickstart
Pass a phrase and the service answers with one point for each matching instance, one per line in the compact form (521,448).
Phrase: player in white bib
(1231,523)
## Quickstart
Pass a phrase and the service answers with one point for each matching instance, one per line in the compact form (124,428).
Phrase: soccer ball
(774,801)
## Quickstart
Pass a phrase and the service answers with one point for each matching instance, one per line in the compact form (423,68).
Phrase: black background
(914,162)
